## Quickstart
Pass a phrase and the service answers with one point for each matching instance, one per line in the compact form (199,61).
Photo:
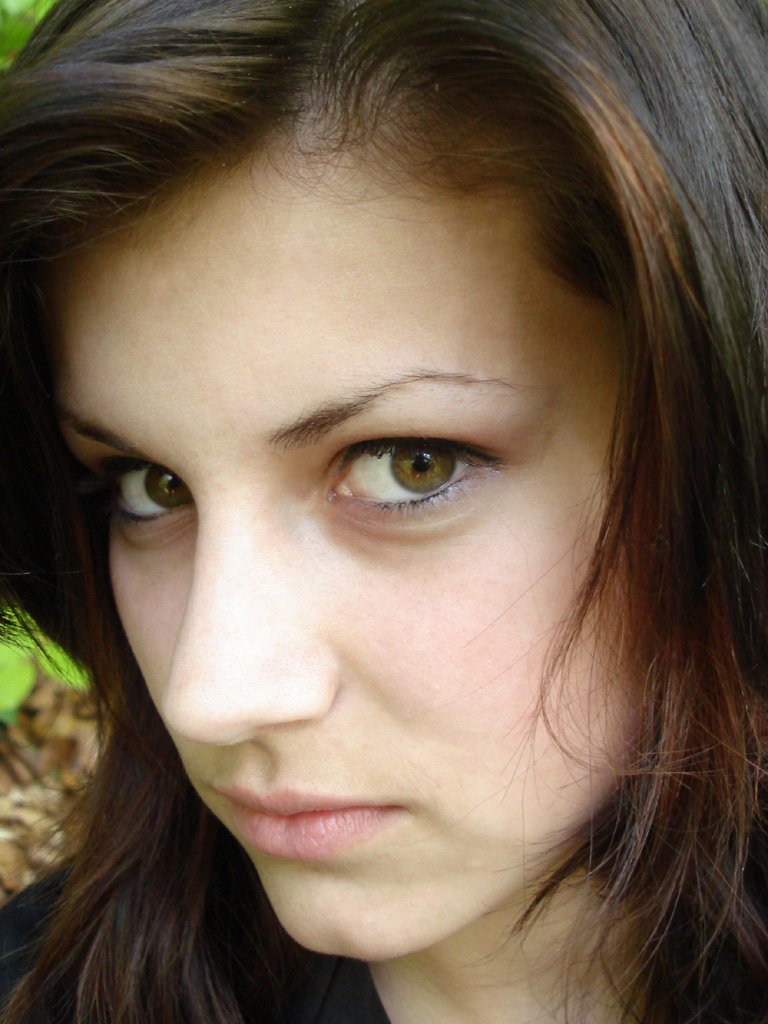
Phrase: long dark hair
(638,130)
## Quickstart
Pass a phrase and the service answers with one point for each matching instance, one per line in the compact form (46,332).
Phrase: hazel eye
(422,470)
(149,491)
(392,472)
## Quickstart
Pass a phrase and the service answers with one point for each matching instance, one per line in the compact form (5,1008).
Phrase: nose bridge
(250,653)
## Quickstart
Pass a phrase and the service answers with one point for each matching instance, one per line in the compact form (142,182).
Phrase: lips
(308,827)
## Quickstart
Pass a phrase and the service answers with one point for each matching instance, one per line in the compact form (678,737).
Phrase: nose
(251,653)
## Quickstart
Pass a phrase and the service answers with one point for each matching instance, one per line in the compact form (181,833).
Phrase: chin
(355,945)
(362,929)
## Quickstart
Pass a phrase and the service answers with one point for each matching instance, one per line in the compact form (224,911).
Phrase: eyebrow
(86,428)
(307,429)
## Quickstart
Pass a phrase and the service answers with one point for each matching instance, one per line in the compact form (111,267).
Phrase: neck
(487,975)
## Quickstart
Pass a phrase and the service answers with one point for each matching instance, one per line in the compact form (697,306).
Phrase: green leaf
(17,19)
(17,677)
(13,35)
(18,7)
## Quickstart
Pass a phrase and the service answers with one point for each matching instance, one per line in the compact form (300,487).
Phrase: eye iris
(422,470)
(165,488)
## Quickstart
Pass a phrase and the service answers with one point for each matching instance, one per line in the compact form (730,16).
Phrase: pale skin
(302,624)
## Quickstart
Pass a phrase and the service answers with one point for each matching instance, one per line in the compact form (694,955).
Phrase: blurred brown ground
(45,757)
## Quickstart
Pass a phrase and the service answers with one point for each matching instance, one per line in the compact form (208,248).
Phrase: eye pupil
(421,469)
(165,488)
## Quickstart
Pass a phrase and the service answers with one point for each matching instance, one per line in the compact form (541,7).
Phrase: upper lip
(284,803)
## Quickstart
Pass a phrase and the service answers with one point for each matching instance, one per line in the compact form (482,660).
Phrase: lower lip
(311,835)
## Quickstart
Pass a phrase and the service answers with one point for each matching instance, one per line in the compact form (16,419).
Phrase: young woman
(384,427)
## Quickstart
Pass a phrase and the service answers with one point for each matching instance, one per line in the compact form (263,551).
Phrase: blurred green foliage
(17,19)
(22,659)
(17,677)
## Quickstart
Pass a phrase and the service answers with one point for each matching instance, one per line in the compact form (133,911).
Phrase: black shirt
(338,991)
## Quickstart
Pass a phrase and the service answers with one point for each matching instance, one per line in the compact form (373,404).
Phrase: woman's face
(356,440)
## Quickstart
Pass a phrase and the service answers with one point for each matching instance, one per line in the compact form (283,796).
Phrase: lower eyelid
(405,508)
(131,517)
(152,532)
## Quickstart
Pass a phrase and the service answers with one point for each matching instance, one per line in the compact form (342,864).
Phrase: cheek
(458,649)
(473,619)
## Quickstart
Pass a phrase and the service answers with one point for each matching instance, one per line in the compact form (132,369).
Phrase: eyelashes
(101,489)
(404,475)
(385,477)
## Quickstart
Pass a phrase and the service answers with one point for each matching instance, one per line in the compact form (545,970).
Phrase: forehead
(271,221)
(310,285)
